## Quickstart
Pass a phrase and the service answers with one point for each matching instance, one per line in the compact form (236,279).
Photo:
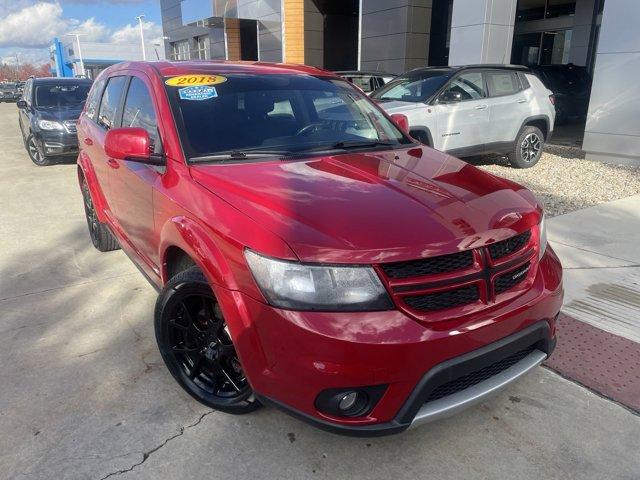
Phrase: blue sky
(27,27)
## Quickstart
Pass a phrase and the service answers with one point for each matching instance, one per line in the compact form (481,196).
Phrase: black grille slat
(478,376)
(441,300)
(505,247)
(429,266)
(510,279)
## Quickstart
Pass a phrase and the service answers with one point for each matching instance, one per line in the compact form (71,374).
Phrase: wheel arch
(86,172)
(184,241)
(540,121)
(422,131)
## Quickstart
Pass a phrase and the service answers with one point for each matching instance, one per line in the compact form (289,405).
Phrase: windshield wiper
(237,155)
(355,144)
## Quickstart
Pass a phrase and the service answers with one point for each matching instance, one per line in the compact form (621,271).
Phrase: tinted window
(502,83)
(138,108)
(280,113)
(412,88)
(110,102)
(94,99)
(470,86)
(61,95)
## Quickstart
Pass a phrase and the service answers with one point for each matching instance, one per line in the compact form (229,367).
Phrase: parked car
(317,259)
(474,110)
(367,81)
(9,92)
(49,110)
(571,86)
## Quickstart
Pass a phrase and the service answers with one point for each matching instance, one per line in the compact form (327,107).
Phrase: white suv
(474,110)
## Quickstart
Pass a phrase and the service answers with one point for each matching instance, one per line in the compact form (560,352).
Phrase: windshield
(414,88)
(281,114)
(66,95)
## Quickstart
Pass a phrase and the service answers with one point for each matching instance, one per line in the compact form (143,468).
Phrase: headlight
(50,125)
(543,236)
(300,286)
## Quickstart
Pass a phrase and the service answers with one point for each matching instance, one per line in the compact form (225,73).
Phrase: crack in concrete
(147,454)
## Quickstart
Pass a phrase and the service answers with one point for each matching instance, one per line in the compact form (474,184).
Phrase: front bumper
(290,357)
(56,143)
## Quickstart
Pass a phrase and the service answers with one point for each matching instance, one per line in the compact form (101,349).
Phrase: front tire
(528,148)
(34,153)
(196,346)
(100,235)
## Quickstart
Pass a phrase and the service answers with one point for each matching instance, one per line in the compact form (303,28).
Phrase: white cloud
(29,28)
(130,33)
(91,30)
(33,26)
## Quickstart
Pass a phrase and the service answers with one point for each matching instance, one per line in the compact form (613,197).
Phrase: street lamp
(144,54)
(77,35)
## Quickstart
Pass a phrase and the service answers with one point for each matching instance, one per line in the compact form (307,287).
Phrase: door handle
(481,107)
(88,141)
(522,100)
(113,163)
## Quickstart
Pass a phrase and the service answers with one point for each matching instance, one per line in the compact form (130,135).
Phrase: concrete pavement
(84,393)
(600,252)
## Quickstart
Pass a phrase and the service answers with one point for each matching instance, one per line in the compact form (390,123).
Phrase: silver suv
(474,110)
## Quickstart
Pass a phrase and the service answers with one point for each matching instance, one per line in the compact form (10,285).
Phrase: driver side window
(468,86)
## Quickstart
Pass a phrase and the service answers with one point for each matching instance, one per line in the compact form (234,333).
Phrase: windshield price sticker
(198,92)
(191,80)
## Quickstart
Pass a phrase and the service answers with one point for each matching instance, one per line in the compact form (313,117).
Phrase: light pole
(144,54)
(77,35)
(18,66)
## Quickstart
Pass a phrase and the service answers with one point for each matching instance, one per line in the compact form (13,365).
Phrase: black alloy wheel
(196,345)
(100,235)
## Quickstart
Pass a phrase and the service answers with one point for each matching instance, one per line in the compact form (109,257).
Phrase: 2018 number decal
(191,80)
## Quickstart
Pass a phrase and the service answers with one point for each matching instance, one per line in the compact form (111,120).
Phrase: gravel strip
(564,181)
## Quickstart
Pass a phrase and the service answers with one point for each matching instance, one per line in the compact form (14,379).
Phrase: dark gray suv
(49,110)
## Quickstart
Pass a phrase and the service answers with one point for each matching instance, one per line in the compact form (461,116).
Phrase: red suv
(307,252)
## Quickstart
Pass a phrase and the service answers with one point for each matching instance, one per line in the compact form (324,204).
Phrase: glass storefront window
(180,50)
(542,48)
(541,9)
(559,8)
(530,10)
(202,48)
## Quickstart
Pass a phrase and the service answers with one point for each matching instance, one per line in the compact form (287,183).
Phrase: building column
(394,35)
(481,31)
(613,126)
(293,31)
(581,34)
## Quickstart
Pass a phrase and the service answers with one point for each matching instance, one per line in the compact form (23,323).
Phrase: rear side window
(502,83)
(524,81)
(110,102)
(138,109)
(469,85)
(94,99)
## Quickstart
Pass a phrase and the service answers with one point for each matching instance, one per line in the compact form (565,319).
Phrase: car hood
(59,114)
(374,207)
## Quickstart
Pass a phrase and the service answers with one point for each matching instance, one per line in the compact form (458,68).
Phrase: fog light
(348,401)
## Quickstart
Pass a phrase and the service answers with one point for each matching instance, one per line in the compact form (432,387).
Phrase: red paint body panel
(357,208)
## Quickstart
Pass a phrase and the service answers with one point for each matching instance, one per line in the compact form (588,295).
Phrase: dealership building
(398,35)
(88,59)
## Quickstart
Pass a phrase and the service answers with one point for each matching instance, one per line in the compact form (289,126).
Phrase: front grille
(70,125)
(441,300)
(510,279)
(510,245)
(478,376)
(429,266)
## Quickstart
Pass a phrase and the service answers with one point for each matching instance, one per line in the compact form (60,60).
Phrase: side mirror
(451,96)
(132,144)
(21,104)
(401,121)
